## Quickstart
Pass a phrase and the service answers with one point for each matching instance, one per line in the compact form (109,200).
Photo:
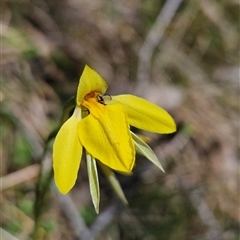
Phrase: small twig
(71,212)
(23,175)
(215,13)
(19,177)
(195,196)
(6,235)
(154,37)
(100,223)
(214,229)
(103,220)
(186,64)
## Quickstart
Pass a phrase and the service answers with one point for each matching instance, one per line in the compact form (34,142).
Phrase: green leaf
(145,150)
(52,135)
(68,108)
(93,181)
(114,182)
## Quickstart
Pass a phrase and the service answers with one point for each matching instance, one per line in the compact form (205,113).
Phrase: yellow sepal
(146,115)
(67,153)
(105,134)
(90,81)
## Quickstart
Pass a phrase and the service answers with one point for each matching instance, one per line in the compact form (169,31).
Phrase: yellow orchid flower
(101,124)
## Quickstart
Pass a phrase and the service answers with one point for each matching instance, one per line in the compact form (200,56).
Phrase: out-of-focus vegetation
(182,55)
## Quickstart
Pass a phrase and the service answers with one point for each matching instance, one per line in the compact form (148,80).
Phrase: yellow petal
(90,81)
(67,153)
(146,115)
(105,134)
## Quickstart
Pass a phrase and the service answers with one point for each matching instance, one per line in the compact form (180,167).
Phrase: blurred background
(180,54)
